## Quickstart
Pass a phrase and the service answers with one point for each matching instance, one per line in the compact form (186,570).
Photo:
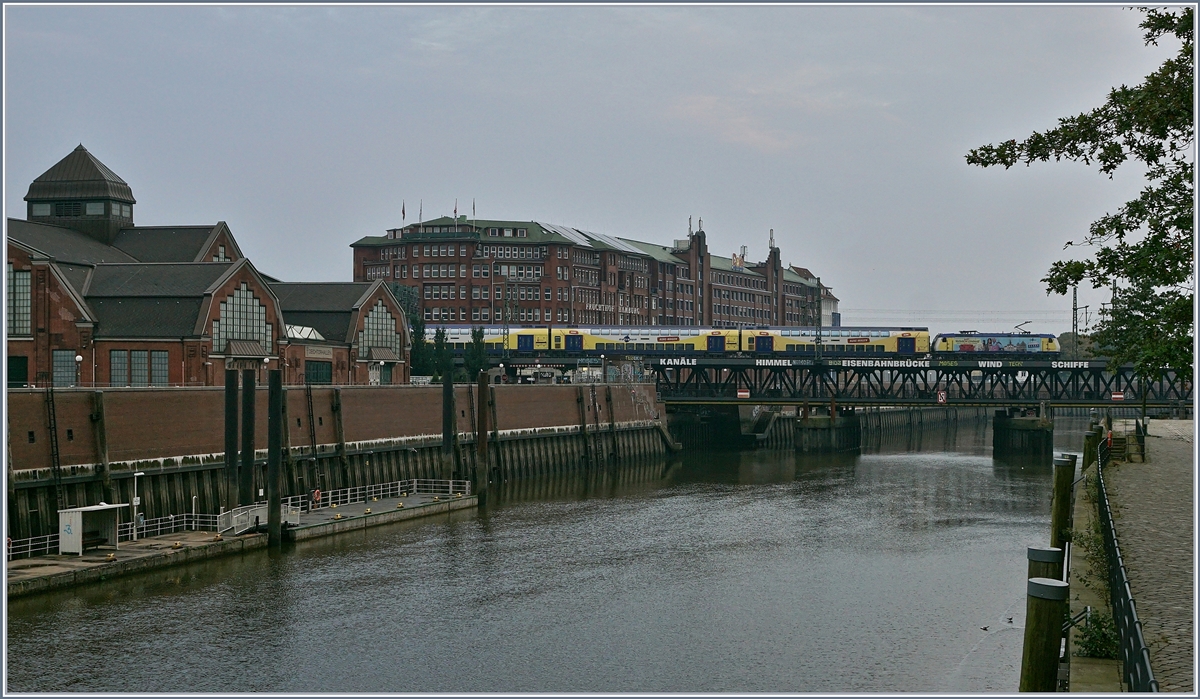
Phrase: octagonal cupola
(81,193)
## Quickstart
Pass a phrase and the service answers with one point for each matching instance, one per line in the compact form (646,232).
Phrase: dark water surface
(723,572)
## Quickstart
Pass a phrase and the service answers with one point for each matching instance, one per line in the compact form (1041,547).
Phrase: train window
(659,346)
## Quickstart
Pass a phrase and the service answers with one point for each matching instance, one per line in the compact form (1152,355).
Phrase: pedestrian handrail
(33,546)
(48,543)
(166,525)
(395,489)
(1134,654)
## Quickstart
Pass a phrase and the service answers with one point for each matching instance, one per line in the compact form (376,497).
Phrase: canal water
(723,572)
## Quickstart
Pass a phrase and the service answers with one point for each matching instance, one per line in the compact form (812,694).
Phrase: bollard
(1045,562)
(1060,508)
(1045,609)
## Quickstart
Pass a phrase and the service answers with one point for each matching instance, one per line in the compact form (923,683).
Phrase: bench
(93,540)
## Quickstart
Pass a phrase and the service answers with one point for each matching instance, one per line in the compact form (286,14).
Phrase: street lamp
(135,502)
(603,369)
(78,364)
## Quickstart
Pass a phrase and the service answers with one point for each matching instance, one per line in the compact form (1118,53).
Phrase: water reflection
(755,571)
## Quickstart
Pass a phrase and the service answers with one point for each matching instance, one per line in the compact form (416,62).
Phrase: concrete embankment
(336,437)
(45,573)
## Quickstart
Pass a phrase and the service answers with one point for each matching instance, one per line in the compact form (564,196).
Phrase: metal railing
(240,519)
(166,525)
(395,489)
(1134,654)
(33,546)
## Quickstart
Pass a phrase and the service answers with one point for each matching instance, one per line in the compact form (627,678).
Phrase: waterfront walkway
(43,573)
(1153,512)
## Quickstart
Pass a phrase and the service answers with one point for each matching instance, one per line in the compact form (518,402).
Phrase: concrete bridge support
(1025,439)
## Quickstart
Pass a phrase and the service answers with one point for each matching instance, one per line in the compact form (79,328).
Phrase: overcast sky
(843,128)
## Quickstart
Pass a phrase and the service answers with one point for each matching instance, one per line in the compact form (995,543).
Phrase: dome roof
(80,176)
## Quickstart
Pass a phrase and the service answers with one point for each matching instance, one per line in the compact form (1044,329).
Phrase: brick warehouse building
(470,271)
(94,300)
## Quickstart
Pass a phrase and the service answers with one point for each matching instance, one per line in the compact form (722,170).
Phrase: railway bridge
(911,382)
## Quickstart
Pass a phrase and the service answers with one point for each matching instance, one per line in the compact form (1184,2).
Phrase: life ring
(316,496)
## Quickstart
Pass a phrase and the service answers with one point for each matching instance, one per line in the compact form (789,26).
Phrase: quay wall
(387,433)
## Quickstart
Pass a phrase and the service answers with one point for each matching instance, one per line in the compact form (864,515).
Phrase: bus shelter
(88,527)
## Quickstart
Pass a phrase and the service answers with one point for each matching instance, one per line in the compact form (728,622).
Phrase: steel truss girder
(917,385)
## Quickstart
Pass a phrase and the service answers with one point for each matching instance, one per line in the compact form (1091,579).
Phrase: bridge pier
(833,433)
(1023,438)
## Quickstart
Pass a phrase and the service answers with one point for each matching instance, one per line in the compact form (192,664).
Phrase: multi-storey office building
(482,272)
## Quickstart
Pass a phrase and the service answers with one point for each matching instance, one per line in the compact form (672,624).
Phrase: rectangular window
(484,291)
(126,211)
(139,368)
(427,314)
(427,290)
(462,313)
(118,368)
(474,314)
(158,368)
(486,313)
(475,271)
(426,251)
(64,367)
(19,300)
(41,210)
(94,208)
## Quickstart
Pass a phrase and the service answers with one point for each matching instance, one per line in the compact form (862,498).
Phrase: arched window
(379,330)
(243,317)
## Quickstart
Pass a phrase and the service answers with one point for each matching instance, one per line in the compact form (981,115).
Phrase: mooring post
(1045,562)
(447,425)
(1045,609)
(1090,441)
(274,454)
(246,479)
(481,437)
(231,438)
(1060,509)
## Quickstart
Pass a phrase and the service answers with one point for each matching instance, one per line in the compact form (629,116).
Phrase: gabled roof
(327,307)
(161,280)
(724,264)
(64,244)
(79,176)
(320,296)
(77,275)
(146,316)
(790,276)
(658,252)
(166,243)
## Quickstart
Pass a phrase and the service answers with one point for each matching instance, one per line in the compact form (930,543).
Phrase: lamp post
(135,502)
(603,369)
(78,366)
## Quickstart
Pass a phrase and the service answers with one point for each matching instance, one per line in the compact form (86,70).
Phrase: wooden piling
(1045,562)
(1060,508)
(246,474)
(231,437)
(274,455)
(1045,610)
(481,437)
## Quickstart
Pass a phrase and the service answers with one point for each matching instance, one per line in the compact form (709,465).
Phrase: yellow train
(555,341)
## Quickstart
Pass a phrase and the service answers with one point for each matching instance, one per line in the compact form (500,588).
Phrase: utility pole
(820,294)
(1075,321)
